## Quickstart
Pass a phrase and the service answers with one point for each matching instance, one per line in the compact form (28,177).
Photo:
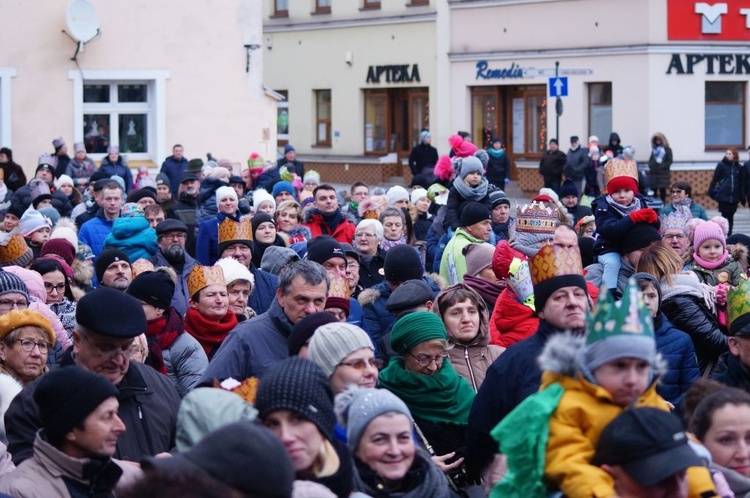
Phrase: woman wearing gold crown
(208,318)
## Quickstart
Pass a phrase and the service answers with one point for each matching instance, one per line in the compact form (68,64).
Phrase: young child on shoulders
(470,185)
(616,211)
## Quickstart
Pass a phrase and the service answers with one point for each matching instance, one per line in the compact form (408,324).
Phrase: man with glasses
(108,321)
(358,194)
(171,236)
(673,233)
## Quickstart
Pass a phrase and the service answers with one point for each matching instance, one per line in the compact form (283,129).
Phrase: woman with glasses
(466,320)
(25,339)
(59,293)
(683,203)
(367,239)
(437,396)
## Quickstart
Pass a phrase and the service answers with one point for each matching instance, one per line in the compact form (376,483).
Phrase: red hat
(622,182)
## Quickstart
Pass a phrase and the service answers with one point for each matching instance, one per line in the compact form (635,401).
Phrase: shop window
(280,8)
(323,117)
(725,114)
(322,6)
(117,113)
(394,119)
(484,113)
(600,110)
(376,119)
(371,4)
(282,118)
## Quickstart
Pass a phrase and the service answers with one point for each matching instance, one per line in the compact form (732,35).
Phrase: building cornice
(349,23)
(481,4)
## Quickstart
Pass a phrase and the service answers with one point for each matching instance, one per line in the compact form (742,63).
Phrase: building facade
(156,75)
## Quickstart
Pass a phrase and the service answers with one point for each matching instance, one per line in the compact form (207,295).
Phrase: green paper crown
(627,316)
(738,301)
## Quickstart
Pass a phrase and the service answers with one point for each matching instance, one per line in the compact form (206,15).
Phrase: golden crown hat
(230,230)
(620,167)
(738,307)
(141,265)
(536,218)
(339,288)
(13,248)
(555,261)
(202,276)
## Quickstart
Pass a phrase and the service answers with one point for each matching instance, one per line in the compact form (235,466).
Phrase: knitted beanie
(31,221)
(357,407)
(498,197)
(568,188)
(234,271)
(483,157)
(15,251)
(478,257)
(259,218)
(300,386)
(260,196)
(416,328)
(223,192)
(474,212)
(67,233)
(153,287)
(60,247)
(333,342)
(64,180)
(106,258)
(311,176)
(275,257)
(468,165)
(12,283)
(66,396)
(324,247)
(305,328)
(706,231)
(16,319)
(622,182)
(417,194)
(395,194)
(640,236)
(283,186)
(402,263)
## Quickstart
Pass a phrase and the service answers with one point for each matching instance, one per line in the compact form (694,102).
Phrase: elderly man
(256,344)
(108,322)
(171,236)
(95,231)
(562,302)
(113,269)
(673,234)
(72,454)
(476,227)
(236,241)
(326,217)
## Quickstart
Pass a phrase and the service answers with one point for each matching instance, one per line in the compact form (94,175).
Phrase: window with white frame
(117,113)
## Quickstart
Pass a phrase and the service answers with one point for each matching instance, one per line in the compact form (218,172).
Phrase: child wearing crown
(616,211)
(615,366)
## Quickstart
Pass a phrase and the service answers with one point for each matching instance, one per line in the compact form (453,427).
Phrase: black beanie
(106,258)
(66,396)
(474,212)
(300,386)
(305,328)
(568,188)
(259,218)
(545,289)
(402,263)
(153,287)
(324,247)
(639,237)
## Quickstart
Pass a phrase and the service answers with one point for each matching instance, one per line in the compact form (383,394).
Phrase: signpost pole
(557,114)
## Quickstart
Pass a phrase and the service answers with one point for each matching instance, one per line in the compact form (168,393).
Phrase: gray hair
(311,272)
(393,212)
(365,224)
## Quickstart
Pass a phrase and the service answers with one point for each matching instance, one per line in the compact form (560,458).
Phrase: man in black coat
(290,161)
(45,172)
(108,321)
(551,166)
(423,157)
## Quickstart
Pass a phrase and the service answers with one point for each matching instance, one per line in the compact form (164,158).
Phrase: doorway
(394,119)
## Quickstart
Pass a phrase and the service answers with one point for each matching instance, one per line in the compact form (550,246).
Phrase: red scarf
(210,334)
(160,334)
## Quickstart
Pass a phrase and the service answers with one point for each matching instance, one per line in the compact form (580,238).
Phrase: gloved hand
(721,294)
(645,215)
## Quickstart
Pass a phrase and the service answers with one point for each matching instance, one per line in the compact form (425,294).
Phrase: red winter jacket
(511,321)
(343,232)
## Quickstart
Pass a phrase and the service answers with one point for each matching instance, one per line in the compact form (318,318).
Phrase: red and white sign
(727,20)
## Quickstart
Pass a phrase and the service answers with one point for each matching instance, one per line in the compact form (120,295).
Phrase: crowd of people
(254,332)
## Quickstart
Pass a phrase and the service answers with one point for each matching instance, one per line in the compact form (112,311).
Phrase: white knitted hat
(333,342)
(234,270)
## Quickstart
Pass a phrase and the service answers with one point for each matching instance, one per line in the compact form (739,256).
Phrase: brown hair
(682,185)
(459,293)
(702,418)
(696,393)
(661,261)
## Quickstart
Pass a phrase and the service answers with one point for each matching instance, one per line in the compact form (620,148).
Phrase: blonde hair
(661,261)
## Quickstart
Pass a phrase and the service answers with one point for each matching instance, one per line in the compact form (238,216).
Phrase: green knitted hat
(416,328)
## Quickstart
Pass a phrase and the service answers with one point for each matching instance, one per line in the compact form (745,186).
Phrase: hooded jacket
(134,236)
(511,320)
(729,184)
(471,360)
(659,173)
(453,262)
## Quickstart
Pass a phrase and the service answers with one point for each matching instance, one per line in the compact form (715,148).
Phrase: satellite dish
(83,21)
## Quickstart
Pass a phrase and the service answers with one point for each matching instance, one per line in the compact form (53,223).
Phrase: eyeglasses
(110,351)
(60,288)
(174,236)
(28,345)
(677,190)
(365,235)
(362,363)
(425,359)
(676,236)
(8,304)
(352,266)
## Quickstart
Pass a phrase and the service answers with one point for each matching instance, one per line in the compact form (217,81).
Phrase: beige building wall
(193,55)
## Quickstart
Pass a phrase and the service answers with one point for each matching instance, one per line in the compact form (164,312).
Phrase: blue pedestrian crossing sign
(558,87)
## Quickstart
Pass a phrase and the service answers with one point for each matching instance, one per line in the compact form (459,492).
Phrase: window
(371,4)
(394,118)
(484,114)
(282,118)
(322,6)
(725,114)
(116,114)
(281,8)
(600,110)
(376,119)
(6,74)
(323,117)
(418,2)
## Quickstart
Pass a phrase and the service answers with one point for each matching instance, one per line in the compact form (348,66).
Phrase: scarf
(475,194)
(496,153)
(259,249)
(686,283)
(222,216)
(445,397)
(489,291)
(659,153)
(160,335)
(208,333)
(387,244)
(624,210)
(330,220)
(529,243)
(683,206)
(422,480)
(708,265)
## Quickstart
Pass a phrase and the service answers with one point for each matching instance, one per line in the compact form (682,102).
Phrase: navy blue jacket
(611,226)
(120,168)
(174,170)
(264,290)
(513,377)
(677,349)
(729,183)
(735,375)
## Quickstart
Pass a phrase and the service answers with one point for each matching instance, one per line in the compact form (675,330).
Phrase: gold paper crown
(141,265)
(13,250)
(554,261)
(536,218)
(202,276)
(620,167)
(339,288)
(230,230)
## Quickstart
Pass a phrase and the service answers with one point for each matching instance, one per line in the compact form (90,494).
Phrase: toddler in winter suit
(470,186)
(602,375)
(615,213)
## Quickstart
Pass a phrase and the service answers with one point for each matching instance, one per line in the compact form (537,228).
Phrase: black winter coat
(735,375)
(422,156)
(369,274)
(729,183)
(22,197)
(552,164)
(690,314)
(295,166)
(660,175)
(148,408)
(577,161)
(498,169)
